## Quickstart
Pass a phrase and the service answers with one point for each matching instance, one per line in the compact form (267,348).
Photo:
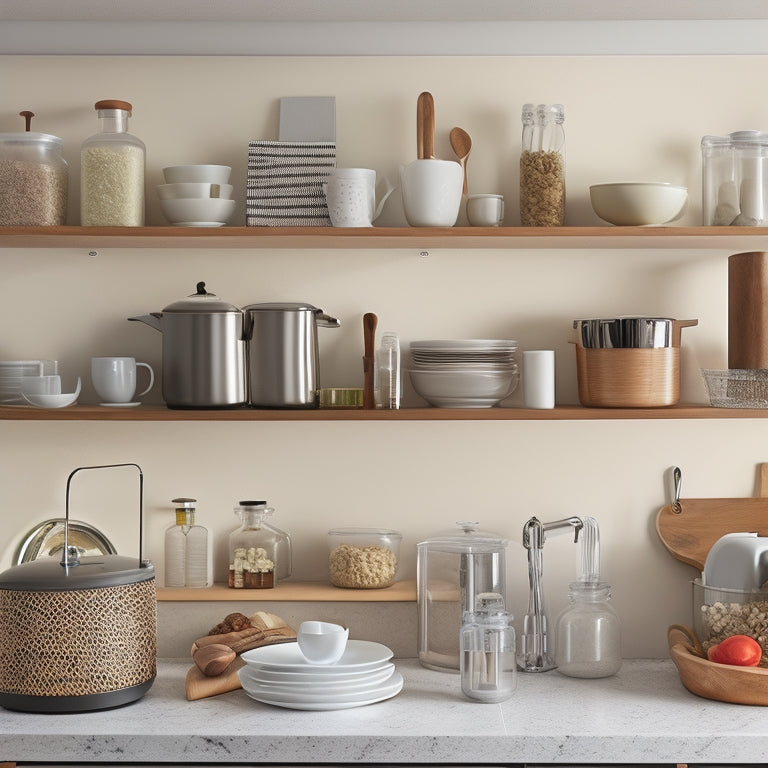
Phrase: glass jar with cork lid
(112,171)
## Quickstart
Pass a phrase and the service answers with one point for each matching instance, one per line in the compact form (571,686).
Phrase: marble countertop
(641,715)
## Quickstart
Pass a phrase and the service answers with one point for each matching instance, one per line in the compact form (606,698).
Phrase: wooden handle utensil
(370,321)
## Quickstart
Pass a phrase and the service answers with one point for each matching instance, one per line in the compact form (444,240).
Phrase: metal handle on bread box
(71,557)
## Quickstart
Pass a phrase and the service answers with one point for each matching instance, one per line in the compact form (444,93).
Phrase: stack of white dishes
(197,195)
(464,373)
(281,676)
(12,372)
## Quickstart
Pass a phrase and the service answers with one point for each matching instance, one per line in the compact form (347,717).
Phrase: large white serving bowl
(638,203)
(466,388)
(194,189)
(213,174)
(198,211)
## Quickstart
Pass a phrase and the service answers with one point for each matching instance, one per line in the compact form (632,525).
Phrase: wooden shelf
(298,591)
(603,237)
(560,413)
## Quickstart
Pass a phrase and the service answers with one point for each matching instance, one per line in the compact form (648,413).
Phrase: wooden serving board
(688,530)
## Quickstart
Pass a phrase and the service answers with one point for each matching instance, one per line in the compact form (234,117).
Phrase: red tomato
(738,650)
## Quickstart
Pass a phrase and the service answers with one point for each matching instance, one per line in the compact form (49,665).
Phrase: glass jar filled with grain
(542,166)
(34,178)
(112,171)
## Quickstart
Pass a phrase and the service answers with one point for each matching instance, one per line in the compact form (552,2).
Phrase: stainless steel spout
(536,654)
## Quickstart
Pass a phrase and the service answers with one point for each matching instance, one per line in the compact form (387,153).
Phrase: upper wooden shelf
(560,413)
(93,238)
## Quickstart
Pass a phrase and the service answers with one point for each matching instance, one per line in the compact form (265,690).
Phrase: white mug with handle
(114,379)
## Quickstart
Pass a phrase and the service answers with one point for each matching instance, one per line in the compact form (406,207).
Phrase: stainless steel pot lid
(201,302)
(50,575)
(47,540)
(625,332)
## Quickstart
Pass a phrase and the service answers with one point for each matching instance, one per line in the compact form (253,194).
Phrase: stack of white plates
(11,373)
(280,675)
(464,373)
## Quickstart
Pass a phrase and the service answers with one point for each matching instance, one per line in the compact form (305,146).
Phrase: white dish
(205,210)
(120,405)
(384,670)
(638,203)
(194,189)
(345,701)
(54,401)
(316,687)
(471,345)
(468,388)
(198,224)
(359,654)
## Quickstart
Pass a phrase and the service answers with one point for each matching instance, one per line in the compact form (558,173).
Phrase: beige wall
(626,118)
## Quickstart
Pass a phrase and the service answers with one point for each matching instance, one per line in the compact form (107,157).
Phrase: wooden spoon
(370,321)
(462,146)
(425,126)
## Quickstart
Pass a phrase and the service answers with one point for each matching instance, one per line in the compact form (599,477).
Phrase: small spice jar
(363,558)
(542,166)
(112,171)
(34,179)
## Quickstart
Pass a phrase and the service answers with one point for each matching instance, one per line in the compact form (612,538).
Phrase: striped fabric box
(284,186)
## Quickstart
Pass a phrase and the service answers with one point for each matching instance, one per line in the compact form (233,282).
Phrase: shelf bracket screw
(93,254)
(424,254)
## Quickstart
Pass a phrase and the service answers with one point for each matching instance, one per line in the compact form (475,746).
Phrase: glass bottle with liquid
(488,653)
(259,552)
(112,171)
(188,549)
(388,377)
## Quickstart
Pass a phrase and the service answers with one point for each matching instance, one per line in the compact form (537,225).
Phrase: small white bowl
(321,642)
(54,401)
(638,203)
(466,388)
(198,211)
(212,174)
(194,189)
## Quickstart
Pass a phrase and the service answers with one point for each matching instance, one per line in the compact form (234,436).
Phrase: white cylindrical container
(539,378)
(388,379)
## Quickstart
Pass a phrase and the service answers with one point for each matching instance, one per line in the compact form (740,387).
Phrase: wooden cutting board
(689,528)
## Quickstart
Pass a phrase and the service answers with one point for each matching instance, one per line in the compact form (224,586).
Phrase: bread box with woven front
(78,633)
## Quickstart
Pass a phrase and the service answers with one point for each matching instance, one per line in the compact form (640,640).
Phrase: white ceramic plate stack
(281,676)
(196,195)
(11,373)
(464,373)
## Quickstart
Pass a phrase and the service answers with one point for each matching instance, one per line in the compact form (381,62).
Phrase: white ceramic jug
(431,192)
(351,196)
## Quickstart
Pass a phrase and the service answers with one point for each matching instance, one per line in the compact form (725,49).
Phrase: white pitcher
(351,196)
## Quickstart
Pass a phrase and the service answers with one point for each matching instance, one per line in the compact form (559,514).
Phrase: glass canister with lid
(112,171)
(259,553)
(34,178)
(542,166)
(453,567)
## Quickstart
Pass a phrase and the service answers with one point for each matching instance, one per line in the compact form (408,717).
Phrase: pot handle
(72,558)
(677,328)
(326,321)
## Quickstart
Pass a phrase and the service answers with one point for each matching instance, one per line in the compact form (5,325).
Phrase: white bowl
(466,388)
(54,401)
(638,203)
(321,642)
(198,211)
(212,174)
(194,189)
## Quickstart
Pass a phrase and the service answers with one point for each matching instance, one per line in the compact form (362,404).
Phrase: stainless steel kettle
(283,358)
(203,351)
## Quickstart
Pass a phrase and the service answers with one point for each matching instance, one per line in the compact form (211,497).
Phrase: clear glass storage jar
(259,553)
(735,179)
(34,180)
(112,171)
(363,558)
(488,651)
(542,166)
(188,549)
(588,632)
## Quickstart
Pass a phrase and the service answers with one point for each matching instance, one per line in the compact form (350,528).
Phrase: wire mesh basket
(737,387)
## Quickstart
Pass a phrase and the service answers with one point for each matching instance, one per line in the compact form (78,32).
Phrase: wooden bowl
(722,682)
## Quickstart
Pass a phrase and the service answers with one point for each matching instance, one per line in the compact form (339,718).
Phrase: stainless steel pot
(78,633)
(203,352)
(630,332)
(283,357)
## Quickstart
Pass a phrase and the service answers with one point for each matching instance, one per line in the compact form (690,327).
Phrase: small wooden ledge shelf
(293,592)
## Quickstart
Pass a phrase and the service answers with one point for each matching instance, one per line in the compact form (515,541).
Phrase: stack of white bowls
(280,675)
(464,373)
(197,195)
(13,371)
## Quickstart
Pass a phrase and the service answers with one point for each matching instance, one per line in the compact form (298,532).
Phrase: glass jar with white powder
(112,171)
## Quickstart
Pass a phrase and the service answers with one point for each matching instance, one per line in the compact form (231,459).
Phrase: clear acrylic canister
(34,180)
(735,179)
(452,568)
